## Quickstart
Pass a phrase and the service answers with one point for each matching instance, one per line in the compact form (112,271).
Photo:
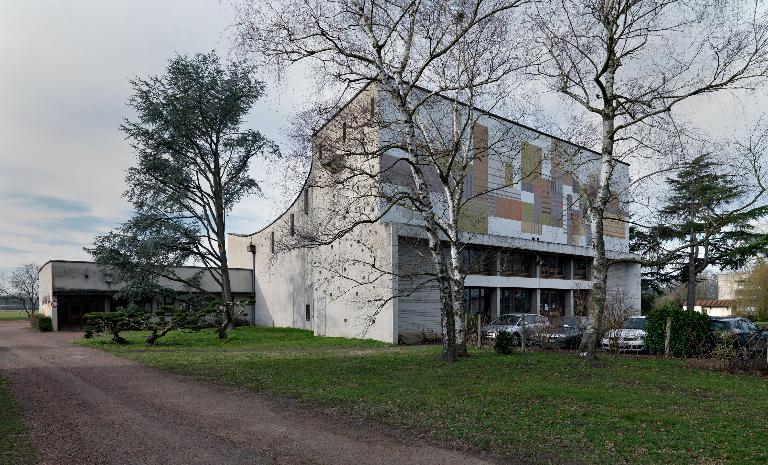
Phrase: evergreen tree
(700,212)
(193,157)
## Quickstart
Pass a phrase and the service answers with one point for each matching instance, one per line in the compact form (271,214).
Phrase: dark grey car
(512,323)
(746,335)
(562,332)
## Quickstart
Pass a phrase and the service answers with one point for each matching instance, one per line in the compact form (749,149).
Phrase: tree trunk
(226,285)
(690,300)
(447,316)
(596,210)
(592,332)
(459,310)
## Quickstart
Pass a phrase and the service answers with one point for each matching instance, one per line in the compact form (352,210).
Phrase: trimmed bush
(110,322)
(691,332)
(41,322)
(505,343)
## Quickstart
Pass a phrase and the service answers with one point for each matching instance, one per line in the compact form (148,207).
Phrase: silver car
(513,323)
(630,338)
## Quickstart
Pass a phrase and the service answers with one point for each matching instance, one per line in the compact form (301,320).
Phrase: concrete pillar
(496,303)
(569,302)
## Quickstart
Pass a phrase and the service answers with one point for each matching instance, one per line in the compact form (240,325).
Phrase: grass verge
(15,446)
(8,315)
(552,407)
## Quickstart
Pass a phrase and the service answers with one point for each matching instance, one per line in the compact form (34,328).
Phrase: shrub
(111,322)
(88,332)
(691,332)
(41,322)
(505,343)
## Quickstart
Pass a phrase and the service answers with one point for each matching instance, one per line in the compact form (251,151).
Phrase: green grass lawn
(550,406)
(15,446)
(6,315)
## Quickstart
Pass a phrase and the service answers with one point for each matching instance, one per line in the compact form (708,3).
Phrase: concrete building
(728,285)
(70,289)
(527,243)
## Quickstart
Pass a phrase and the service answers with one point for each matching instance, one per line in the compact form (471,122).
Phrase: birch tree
(417,52)
(630,64)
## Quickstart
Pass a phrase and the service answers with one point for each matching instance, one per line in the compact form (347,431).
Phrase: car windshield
(720,325)
(748,325)
(532,319)
(571,322)
(504,320)
(635,323)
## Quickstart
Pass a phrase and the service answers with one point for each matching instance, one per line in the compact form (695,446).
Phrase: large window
(553,302)
(581,268)
(478,301)
(515,300)
(515,263)
(552,266)
(478,261)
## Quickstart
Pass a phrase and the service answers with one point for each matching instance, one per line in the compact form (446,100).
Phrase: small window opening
(372,108)
(307,312)
(306,201)
(272,242)
(293,226)
(344,131)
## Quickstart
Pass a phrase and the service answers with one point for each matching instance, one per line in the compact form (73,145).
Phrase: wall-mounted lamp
(252,248)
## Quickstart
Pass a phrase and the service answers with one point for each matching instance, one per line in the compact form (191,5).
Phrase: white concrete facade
(363,284)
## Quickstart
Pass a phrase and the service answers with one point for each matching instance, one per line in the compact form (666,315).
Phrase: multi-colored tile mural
(515,185)
(556,196)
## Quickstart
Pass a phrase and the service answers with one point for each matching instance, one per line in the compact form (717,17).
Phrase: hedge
(41,322)
(691,332)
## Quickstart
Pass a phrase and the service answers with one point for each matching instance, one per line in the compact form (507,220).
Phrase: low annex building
(70,289)
(527,244)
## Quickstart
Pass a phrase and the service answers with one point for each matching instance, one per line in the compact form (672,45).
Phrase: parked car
(512,323)
(630,338)
(746,335)
(561,332)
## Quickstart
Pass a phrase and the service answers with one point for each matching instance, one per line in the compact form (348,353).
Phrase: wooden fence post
(667,336)
(479,332)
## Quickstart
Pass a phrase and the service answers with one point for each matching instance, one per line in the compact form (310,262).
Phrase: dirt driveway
(89,407)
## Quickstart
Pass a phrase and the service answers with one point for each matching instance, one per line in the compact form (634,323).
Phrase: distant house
(69,289)
(718,307)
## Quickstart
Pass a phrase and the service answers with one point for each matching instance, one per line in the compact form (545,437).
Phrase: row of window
(552,302)
(476,260)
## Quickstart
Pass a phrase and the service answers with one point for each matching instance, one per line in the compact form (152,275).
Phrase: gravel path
(88,407)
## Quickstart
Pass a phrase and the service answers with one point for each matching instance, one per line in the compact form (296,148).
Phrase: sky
(63,92)
(64,83)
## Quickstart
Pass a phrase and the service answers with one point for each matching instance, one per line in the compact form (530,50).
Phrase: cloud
(63,165)
(10,250)
(49,203)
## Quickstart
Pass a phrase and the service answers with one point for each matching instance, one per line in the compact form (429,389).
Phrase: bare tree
(22,284)
(435,61)
(628,64)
